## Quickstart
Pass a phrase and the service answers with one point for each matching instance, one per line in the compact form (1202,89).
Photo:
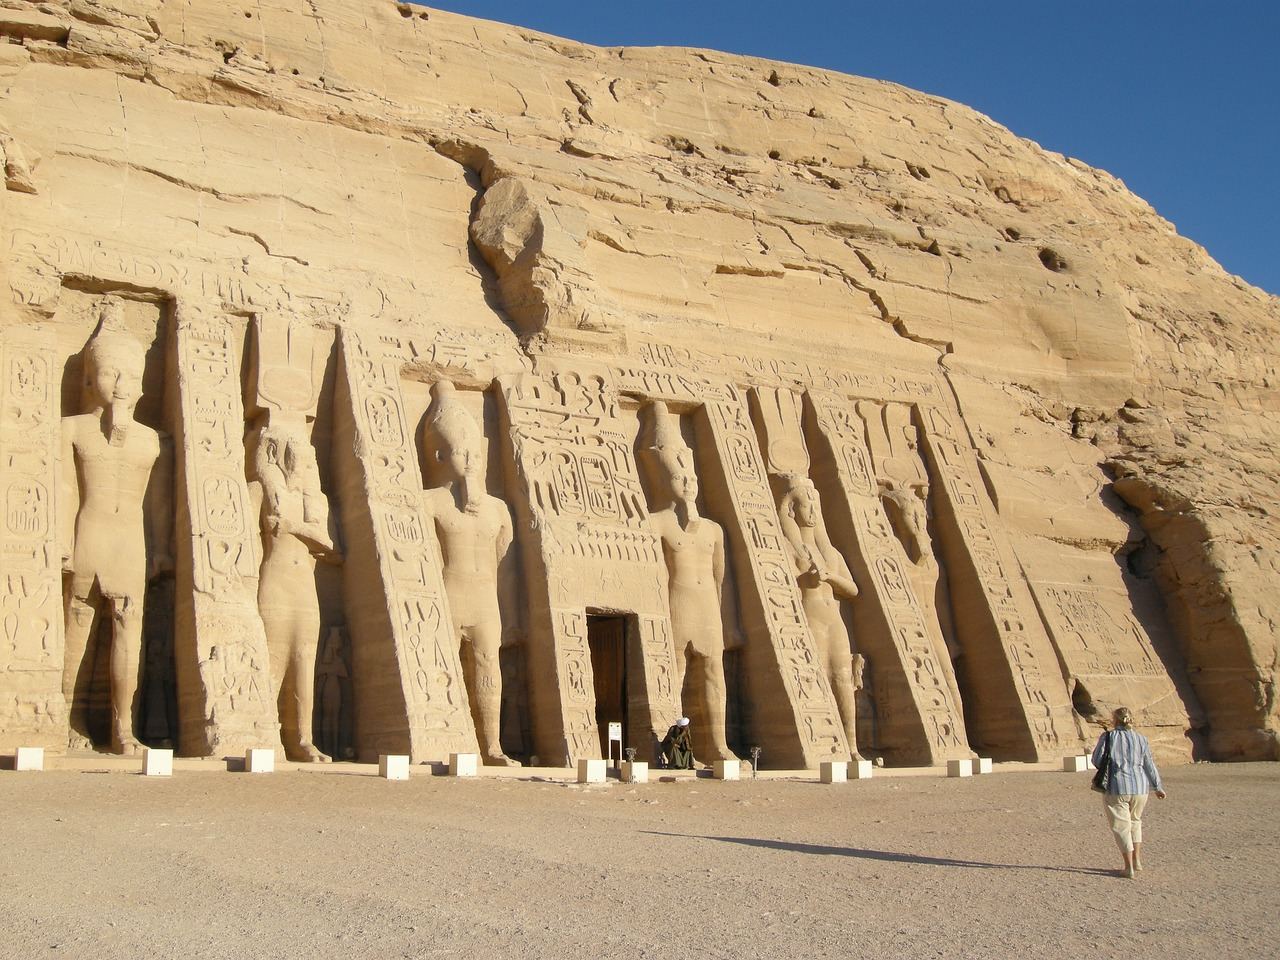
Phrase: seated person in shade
(677,748)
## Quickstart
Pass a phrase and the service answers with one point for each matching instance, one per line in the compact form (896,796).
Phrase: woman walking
(1133,773)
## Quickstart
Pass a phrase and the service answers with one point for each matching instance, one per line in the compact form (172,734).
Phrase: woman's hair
(1122,716)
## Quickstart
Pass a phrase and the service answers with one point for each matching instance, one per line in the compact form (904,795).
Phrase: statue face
(461,455)
(684,481)
(116,377)
(805,505)
(299,463)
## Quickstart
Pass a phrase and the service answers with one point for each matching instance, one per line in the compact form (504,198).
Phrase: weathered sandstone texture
(380,381)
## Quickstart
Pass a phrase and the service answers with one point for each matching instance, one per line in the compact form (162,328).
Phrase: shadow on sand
(886,856)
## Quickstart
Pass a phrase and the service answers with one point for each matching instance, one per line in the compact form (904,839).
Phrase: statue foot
(499,759)
(126,746)
(857,756)
(305,752)
(78,741)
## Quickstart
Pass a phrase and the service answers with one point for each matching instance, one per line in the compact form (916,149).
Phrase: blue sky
(1180,99)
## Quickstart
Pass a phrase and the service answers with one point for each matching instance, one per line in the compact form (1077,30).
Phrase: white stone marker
(728,769)
(982,765)
(29,758)
(635,771)
(960,768)
(1075,764)
(259,760)
(591,771)
(861,769)
(834,771)
(393,766)
(463,764)
(157,763)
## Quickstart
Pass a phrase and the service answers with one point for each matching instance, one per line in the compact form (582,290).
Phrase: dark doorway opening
(607,638)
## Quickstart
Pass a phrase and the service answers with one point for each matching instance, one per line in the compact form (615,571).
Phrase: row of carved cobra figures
(118,488)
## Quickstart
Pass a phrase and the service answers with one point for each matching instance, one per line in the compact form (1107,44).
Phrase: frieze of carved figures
(890,594)
(392,521)
(31,660)
(113,477)
(220,598)
(1027,648)
(806,685)
(577,684)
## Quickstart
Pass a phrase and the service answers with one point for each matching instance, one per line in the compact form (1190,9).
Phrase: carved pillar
(225,700)
(409,691)
(921,723)
(794,715)
(588,546)
(1019,708)
(32,709)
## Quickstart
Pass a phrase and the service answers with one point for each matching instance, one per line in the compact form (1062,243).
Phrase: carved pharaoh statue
(295,534)
(824,580)
(116,483)
(474,531)
(693,547)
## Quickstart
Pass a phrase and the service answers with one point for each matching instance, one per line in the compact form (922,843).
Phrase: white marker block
(960,768)
(834,771)
(728,769)
(861,769)
(982,765)
(635,771)
(463,764)
(29,758)
(393,766)
(157,763)
(259,760)
(1075,764)
(591,771)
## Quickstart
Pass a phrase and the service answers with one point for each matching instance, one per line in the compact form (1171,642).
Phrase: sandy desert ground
(220,865)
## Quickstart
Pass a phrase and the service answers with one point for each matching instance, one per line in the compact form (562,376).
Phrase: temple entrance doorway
(607,637)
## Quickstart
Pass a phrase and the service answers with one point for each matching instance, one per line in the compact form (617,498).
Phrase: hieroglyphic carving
(33,709)
(1012,621)
(398,614)
(226,705)
(783,631)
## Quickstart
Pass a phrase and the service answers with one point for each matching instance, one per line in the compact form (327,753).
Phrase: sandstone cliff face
(881,292)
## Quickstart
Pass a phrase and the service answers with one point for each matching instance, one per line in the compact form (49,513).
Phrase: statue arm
(159,501)
(508,582)
(837,575)
(68,495)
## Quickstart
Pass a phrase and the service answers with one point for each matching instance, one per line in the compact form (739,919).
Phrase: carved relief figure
(474,531)
(824,580)
(333,679)
(115,478)
(693,547)
(906,505)
(295,534)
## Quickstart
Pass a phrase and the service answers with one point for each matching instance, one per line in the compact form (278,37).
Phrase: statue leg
(81,615)
(714,695)
(126,672)
(840,667)
(486,691)
(298,696)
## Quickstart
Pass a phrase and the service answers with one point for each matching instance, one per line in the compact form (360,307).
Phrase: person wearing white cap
(677,748)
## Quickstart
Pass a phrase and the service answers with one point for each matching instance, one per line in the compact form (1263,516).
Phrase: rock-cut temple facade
(374,380)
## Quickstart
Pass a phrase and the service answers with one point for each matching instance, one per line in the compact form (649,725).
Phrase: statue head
(114,362)
(800,502)
(452,441)
(670,455)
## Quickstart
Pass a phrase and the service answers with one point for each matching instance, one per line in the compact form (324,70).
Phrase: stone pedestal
(463,764)
(591,771)
(834,771)
(1075,764)
(393,766)
(635,771)
(157,763)
(861,770)
(727,769)
(960,768)
(259,760)
(28,758)
(982,765)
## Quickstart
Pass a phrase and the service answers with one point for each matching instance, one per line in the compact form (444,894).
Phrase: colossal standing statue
(295,533)
(693,547)
(474,531)
(824,580)
(116,478)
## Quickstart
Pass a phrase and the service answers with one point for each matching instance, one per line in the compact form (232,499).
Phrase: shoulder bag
(1103,777)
